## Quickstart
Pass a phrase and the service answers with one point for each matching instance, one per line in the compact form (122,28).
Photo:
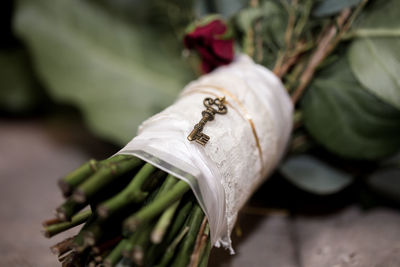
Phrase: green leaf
(314,176)
(376,61)
(386,182)
(348,120)
(379,14)
(116,72)
(331,7)
(379,71)
(19,91)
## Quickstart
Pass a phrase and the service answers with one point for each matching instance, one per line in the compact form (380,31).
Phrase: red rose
(209,41)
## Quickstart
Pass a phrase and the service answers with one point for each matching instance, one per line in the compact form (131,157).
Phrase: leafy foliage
(375,58)
(313,175)
(119,61)
(117,72)
(346,119)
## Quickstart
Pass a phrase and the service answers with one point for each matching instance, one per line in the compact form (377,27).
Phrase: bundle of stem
(141,216)
(138,215)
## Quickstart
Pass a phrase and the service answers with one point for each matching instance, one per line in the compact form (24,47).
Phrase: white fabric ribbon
(245,144)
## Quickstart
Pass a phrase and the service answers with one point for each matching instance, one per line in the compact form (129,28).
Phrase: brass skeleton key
(208,115)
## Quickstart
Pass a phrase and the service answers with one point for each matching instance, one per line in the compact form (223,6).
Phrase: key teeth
(202,139)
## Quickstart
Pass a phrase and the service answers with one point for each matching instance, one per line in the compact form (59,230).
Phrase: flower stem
(116,254)
(79,218)
(163,223)
(106,175)
(169,253)
(68,209)
(106,245)
(183,257)
(179,220)
(131,194)
(141,244)
(69,182)
(201,242)
(157,206)
(51,222)
(156,251)
(78,242)
(205,255)
(76,177)
(62,247)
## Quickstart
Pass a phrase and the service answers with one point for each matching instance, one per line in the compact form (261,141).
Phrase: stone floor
(34,153)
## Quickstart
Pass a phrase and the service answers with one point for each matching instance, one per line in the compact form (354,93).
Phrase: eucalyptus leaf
(379,71)
(375,61)
(348,120)
(313,175)
(116,72)
(386,182)
(332,7)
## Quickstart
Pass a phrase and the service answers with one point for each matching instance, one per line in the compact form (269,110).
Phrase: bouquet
(175,190)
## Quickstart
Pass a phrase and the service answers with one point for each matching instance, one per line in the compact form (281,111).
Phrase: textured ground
(33,154)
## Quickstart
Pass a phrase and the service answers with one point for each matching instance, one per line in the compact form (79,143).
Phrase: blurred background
(76,79)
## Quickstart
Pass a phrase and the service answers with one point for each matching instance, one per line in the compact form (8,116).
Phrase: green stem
(169,182)
(76,177)
(179,220)
(78,242)
(100,231)
(102,248)
(141,244)
(92,234)
(170,251)
(157,206)
(163,223)
(105,176)
(156,250)
(200,246)
(68,209)
(183,257)
(69,182)
(205,255)
(131,194)
(154,181)
(60,227)
(116,254)
(127,250)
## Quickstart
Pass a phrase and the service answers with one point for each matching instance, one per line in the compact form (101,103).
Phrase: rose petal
(206,41)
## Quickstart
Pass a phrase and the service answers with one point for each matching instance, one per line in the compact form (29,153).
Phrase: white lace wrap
(245,144)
